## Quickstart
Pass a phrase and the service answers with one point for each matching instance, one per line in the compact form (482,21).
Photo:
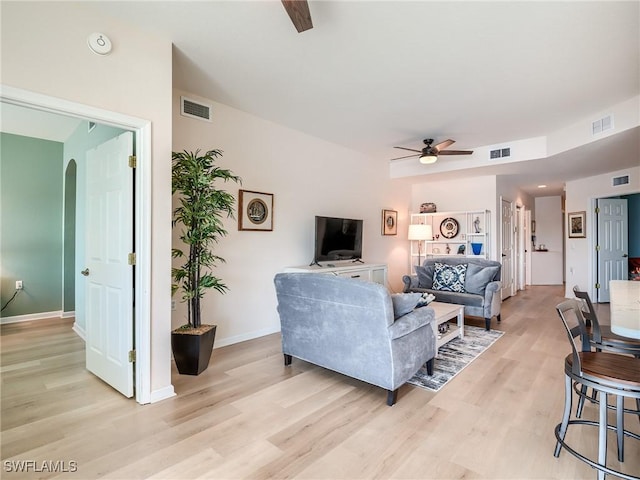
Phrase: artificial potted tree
(200,212)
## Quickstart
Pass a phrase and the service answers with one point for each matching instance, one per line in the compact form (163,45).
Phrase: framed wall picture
(255,211)
(577,224)
(389,222)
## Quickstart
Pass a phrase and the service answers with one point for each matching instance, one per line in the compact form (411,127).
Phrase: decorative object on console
(461,250)
(476,225)
(420,232)
(255,211)
(476,248)
(449,227)
(577,224)
(389,222)
(428,207)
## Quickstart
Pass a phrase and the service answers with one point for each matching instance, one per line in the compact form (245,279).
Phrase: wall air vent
(623,180)
(602,125)
(194,109)
(500,153)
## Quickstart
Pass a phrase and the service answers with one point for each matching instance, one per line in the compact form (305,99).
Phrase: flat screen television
(337,239)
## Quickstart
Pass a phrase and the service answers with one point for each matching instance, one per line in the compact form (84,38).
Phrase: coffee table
(444,313)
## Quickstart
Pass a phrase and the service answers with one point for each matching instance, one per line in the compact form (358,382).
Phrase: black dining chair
(608,374)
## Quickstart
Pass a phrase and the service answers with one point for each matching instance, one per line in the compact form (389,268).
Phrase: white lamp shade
(420,232)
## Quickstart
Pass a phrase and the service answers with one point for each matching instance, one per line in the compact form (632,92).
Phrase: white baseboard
(79,331)
(162,394)
(31,317)
(69,314)
(247,336)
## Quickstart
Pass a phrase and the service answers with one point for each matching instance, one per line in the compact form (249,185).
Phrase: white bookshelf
(452,232)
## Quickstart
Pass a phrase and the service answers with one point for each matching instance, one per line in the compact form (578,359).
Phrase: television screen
(337,239)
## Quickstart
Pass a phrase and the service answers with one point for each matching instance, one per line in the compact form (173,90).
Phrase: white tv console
(372,272)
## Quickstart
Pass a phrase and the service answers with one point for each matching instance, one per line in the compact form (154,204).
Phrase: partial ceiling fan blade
(455,152)
(407,156)
(299,14)
(410,149)
(442,145)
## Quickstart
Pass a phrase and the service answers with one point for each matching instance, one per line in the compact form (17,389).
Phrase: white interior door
(613,239)
(507,249)
(109,277)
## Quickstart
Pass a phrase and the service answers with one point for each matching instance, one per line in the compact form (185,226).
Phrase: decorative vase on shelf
(476,248)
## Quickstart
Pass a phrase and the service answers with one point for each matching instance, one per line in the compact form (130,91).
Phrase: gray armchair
(348,326)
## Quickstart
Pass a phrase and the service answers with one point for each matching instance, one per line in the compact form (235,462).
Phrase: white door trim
(142,130)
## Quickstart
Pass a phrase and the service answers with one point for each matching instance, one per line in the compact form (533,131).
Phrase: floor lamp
(420,232)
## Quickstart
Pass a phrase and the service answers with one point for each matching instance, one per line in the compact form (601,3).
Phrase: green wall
(69,287)
(31,223)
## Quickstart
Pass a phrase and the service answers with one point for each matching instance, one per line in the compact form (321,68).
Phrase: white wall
(44,50)
(308,177)
(549,222)
(580,195)
(477,193)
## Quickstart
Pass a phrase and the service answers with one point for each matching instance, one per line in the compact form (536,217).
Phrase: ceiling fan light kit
(429,154)
(427,159)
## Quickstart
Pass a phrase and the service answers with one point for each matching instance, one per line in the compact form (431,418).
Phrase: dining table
(625,307)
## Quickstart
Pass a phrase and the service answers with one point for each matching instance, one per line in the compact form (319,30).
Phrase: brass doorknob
(85,272)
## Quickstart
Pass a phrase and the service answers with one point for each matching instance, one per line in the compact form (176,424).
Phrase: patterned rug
(454,356)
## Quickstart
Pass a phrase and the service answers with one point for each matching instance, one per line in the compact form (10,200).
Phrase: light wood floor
(248,416)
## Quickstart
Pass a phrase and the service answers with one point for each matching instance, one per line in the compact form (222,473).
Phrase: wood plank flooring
(248,416)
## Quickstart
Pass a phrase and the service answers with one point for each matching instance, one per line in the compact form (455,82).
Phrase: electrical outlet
(173,304)
(18,284)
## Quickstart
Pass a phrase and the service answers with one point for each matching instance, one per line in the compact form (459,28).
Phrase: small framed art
(255,211)
(577,224)
(389,222)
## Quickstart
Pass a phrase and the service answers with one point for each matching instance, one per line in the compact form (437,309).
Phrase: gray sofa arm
(410,283)
(411,322)
(492,299)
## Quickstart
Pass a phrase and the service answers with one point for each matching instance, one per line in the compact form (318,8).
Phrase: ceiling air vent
(623,180)
(499,153)
(602,125)
(194,109)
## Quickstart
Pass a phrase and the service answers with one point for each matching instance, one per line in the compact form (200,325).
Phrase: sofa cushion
(404,303)
(425,276)
(466,299)
(478,277)
(449,278)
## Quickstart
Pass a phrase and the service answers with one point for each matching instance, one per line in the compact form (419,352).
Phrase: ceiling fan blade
(410,149)
(445,144)
(455,152)
(406,156)
(299,14)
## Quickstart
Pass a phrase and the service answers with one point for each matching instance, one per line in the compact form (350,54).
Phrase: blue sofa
(481,295)
(350,326)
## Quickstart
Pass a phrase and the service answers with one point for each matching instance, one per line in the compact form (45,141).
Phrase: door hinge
(132,356)
(132,259)
(597,210)
(597,285)
(133,162)
(597,248)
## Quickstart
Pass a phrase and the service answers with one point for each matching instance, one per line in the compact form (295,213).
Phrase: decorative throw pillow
(404,303)
(425,276)
(449,278)
(478,277)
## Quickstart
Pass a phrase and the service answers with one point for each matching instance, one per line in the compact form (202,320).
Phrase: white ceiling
(372,75)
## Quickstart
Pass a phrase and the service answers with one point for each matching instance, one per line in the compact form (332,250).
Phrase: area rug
(454,356)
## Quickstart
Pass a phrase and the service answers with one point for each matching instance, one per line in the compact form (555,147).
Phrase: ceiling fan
(299,14)
(429,154)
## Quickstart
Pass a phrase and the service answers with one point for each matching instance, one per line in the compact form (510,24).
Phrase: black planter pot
(192,351)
